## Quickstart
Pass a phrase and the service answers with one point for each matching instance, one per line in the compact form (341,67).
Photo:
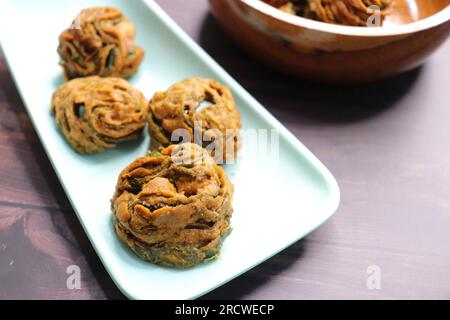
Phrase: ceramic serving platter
(282,191)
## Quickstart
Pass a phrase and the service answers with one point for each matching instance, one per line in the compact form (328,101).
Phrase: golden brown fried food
(173,208)
(199,110)
(346,12)
(99,42)
(96,113)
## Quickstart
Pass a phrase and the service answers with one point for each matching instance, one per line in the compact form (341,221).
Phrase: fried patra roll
(196,110)
(173,207)
(346,12)
(100,42)
(96,113)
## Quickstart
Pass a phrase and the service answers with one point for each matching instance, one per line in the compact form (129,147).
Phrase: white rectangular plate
(278,200)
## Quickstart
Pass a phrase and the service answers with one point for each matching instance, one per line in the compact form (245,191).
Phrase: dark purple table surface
(387,145)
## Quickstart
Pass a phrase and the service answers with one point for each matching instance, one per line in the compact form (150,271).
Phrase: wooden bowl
(333,53)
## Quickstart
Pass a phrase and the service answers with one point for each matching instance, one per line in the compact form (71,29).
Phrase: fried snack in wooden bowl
(401,36)
(173,207)
(96,113)
(99,42)
(344,12)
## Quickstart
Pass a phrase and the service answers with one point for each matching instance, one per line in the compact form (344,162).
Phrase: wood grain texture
(386,143)
(308,52)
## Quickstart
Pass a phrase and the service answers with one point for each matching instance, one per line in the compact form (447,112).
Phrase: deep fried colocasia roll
(196,110)
(173,207)
(99,42)
(345,12)
(96,113)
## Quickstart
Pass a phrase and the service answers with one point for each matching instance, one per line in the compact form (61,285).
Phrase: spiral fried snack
(180,112)
(346,12)
(99,42)
(96,113)
(173,208)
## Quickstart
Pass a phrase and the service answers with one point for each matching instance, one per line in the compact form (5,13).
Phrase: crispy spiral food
(173,207)
(99,42)
(196,110)
(346,12)
(96,113)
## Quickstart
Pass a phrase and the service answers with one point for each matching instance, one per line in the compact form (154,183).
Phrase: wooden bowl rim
(424,24)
